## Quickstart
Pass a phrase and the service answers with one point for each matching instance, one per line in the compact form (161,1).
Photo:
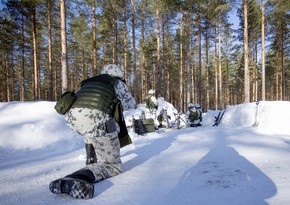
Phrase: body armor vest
(98,93)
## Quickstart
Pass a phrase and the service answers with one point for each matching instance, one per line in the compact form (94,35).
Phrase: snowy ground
(234,163)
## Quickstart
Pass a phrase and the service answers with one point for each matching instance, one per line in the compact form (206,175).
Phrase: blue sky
(234,19)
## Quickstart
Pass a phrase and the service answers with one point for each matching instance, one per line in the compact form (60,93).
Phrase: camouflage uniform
(194,115)
(90,123)
(99,129)
(151,102)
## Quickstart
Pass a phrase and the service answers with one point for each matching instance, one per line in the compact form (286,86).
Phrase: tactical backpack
(193,116)
(143,126)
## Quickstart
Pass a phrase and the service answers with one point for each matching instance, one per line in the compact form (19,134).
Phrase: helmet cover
(114,71)
(151,91)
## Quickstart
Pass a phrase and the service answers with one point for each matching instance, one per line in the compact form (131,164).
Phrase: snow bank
(266,113)
(35,125)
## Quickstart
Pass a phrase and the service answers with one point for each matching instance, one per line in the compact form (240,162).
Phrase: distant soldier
(163,116)
(151,102)
(194,115)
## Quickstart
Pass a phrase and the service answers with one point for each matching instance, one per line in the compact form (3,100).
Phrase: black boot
(83,174)
(78,185)
(91,155)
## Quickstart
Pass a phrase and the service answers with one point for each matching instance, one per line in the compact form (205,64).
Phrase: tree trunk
(159,74)
(163,69)
(114,33)
(115,56)
(282,59)
(216,73)
(199,100)
(35,63)
(94,72)
(220,101)
(188,92)
(206,106)
(64,69)
(277,77)
(125,44)
(263,52)
(22,77)
(12,78)
(256,77)
(143,74)
(181,63)
(169,75)
(226,86)
(50,84)
(134,50)
(6,68)
(246,54)
(84,73)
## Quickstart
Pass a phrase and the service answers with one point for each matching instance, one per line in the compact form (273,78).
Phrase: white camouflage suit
(195,108)
(90,124)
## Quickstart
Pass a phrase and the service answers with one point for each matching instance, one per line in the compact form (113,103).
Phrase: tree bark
(216,72)
(220,101)
(35,63)
(263,52)
(125,44)
(22,77)
(158,80)
(282,59)
(50,84)
(94,72)
(134,50)
(246,54)
(64,69)
(199,60)
(181,62)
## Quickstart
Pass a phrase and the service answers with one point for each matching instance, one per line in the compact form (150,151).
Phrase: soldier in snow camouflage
(93,115)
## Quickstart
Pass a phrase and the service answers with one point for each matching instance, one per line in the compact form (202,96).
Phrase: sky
(233,17)
(234,163)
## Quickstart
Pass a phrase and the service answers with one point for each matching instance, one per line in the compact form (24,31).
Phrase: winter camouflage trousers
(91,124)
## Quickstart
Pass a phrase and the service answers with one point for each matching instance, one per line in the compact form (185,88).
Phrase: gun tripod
(177,121)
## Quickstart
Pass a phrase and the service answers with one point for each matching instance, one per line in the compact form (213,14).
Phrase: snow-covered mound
(271,116)
(34,125)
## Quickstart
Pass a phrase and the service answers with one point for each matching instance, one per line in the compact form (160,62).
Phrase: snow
(234,163)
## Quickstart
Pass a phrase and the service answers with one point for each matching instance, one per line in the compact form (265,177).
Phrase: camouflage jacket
(110,95)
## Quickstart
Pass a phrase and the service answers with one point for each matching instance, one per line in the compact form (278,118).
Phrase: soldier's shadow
(224,177)
(144,153)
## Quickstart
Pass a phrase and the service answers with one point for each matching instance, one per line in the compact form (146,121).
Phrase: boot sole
(76,188)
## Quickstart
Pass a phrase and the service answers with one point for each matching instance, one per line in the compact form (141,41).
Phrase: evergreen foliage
(178,57)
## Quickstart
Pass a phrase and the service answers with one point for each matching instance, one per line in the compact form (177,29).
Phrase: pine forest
(186,50)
